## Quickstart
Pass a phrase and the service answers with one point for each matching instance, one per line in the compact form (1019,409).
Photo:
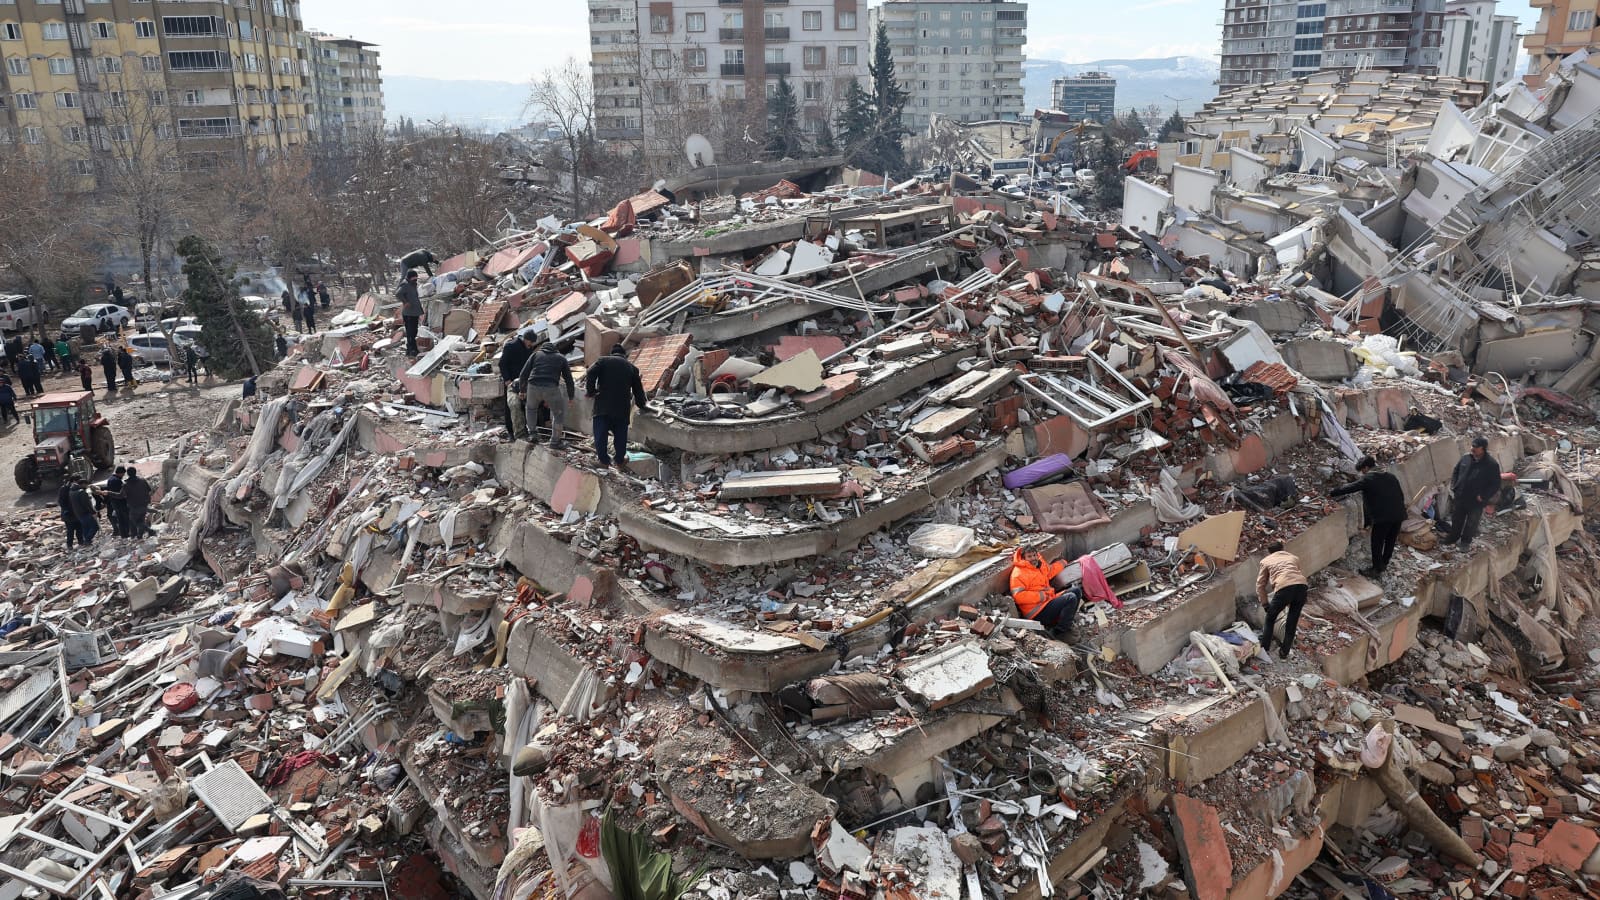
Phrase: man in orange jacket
(1037,598)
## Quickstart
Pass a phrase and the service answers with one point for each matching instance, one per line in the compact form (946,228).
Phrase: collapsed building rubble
(776,647)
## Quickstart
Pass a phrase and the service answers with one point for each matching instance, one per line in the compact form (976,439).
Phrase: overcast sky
(511,40)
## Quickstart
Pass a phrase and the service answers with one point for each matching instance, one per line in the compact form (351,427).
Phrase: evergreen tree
(783,123)
(1108,174)
(1136,126)
(856,124)
(825,142)
(1173,128)
(889,104)
(236,337)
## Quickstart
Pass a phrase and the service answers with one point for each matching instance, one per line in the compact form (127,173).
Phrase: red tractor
(69,438)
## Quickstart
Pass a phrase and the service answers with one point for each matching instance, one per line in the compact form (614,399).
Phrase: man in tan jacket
(1280,570)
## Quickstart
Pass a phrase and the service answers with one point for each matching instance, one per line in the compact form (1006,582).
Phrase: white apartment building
(1478,44)
(664,70)
(348,83)
(1272,40)
(959,59)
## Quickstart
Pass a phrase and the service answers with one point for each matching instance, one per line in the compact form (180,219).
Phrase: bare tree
(460,178)
(44,233)
(135,154)
(566,95)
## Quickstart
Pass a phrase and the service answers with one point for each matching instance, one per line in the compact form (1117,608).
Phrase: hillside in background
(1140,82)
(488,105)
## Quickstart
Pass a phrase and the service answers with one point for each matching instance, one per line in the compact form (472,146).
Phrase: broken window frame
(1097,406)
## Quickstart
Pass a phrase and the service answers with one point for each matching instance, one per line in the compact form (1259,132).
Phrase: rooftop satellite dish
(699,151)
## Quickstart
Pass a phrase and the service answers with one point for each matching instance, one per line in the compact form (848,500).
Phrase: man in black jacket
(612,382)
(513,356)
(136,494)
(1474,485)
(418,258)
(541,382)
(108,364)
(1384,503)
(410,310)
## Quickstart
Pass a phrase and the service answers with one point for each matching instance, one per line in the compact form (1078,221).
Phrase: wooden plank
(944,423)
(979,393)
(796,482)
(1422,718)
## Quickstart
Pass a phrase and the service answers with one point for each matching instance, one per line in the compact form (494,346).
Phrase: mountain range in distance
(1186,82)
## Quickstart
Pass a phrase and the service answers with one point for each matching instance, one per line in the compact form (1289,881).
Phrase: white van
(16,312)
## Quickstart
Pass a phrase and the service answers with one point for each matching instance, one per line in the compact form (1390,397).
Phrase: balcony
(776,34)
(779,68)
(731,35)
(733,70)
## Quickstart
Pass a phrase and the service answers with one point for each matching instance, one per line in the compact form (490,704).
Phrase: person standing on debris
(86,374)
(136,499)
(249,387)
(611,383)
(410,310)
(125,363)
(1474,485)
(116,502)
(322,295)
(69,363)
(418,259)
(69,516)
(28,374)
(1384,502)
(513,356)
(14,351)
(288,304)
(541,383)
(8,403)
(191,364)
(1037,598)
(1280,570)
(281,343)
(82,509)
(308,311)
(108,363)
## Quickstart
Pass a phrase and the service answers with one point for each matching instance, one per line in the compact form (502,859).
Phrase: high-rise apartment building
(1090,96)
(91,77)
(958,59)
(1272,40)
(348,84)
(1565,27)
(664,70)
(1478,44)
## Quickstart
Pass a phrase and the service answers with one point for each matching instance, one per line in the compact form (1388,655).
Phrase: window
(812,90)
(144,29)
(847,56)
(108,65)
(246,30)
(252,63)
(814,57)
(164,131)
(74,134)
(660,24)
(32,135)
(10,31)
(1580,20)
(695,22)
(16,65)
(733,57)
(661,59)
(150,63)
(55,31)
(67,100)
(119,133)
(115,99)
(27,101)
(1312,43)
(694,58)
(199,128)
(847,21)
(733,20)
(774,56)
(192,26)
(61,66)
(773,20)
(102,31)
(197,60)
(158,98)
(811,20)
(663,93)
(82,167)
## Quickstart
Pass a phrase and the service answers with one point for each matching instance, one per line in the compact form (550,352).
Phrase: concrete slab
(1203,846)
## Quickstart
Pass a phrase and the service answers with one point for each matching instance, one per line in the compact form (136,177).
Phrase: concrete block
(1203,846)
(1320,360)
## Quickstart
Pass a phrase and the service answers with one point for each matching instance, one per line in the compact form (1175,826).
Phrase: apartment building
(663,70)
(959,59)
(89,78)
(1478,44)
(1565,27)
(1090,96)
(347,82)
(1273,40)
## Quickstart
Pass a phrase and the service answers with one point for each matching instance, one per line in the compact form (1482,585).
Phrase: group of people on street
(31,358)
(303,309)
(539,383)
(125,499)
(111,360)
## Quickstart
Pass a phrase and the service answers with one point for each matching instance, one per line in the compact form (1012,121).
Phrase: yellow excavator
(1049,156)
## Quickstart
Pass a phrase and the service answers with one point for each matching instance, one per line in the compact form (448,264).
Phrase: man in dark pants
(8,403)
(418,258)
(125,362)
(322,295)
(1384,503)
(28,374)
(541,382)
(191,364)
(69,517)
(1280,571)
(611,383)
(108,363)
(513,356)
(410,310)
(136,496)
(116,502)
(82,509)
(1474,485)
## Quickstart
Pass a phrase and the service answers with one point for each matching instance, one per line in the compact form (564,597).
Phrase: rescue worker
(82,509)
(69,517)
(1280,571)
(513,356)
(410,311)
(1037,598)
(418,258)
(612,382)
(136,498)
(125,362)
(541,383)
(1383,502)
(1474,484)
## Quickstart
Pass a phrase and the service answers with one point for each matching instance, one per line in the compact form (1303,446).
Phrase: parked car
(104,316)
(150,349)
(16,312)
(184,335)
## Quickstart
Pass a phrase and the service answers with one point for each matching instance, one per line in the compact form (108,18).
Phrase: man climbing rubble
(418,259)
(513,356)
(410,311)
(1280,570)
(1384,503)
(612,382)
(541,383)
(1474,485)
(1037,599)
